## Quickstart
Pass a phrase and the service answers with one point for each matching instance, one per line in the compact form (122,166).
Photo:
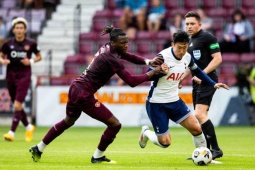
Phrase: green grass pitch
(74,148)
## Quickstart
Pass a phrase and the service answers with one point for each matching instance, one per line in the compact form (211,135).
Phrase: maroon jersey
(105,64)
(16,51)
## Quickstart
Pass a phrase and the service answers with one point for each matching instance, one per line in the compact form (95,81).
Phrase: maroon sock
(55,131)
(24,118)
(15,120)
(108,137)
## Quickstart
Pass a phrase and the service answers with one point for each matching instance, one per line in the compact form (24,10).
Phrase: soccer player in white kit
(163,102)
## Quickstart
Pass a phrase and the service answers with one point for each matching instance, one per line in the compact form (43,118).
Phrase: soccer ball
(202,156)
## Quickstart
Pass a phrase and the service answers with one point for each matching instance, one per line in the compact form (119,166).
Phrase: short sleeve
(35,48)
(213,44)
(5,48)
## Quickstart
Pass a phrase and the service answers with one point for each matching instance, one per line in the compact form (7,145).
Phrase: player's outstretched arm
(134,80)
(136,59)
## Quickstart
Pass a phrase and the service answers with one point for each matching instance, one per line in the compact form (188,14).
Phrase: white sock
(41,146)
(98,154)
(11,133)
(29,127)
(153,137)
(199,140)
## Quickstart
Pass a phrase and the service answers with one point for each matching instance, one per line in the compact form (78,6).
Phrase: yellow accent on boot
(8,137)
(29,134)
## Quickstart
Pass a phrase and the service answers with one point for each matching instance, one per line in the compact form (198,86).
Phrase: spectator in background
(3,31)
(176,24)
(120,3)
(156,16)
(241,73)
(238,34)
(134,14)
(251,106)
(207,22)
(251,80)
(27,4)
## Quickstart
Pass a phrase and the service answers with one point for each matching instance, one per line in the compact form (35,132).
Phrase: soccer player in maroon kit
(107,62)
(16,53)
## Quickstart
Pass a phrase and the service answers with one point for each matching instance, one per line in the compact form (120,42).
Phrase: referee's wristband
(32,61)
(147,61)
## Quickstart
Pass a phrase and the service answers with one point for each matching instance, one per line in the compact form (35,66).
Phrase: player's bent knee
(70,121)
(164,145)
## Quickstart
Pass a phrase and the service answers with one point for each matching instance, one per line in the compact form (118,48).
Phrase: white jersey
(165,89)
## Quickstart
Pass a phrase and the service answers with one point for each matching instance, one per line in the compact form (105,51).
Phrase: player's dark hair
(237,12)
(114,32)
(193,14)
(180,36)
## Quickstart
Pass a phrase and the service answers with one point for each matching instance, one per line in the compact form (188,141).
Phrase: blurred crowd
(37,4)
(16,5)
(150,15)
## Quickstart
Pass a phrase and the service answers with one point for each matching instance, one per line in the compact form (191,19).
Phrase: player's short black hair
(193,14)
(180,36)
(114,32)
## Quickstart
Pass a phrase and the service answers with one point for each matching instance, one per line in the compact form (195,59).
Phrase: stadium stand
(59,36)
(9,4)
(173,4)
(209,4)
(191,5)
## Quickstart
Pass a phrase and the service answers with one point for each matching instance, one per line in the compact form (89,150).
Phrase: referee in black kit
(205,51)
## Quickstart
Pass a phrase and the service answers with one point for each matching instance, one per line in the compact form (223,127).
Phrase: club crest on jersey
(197,54)
(26,47)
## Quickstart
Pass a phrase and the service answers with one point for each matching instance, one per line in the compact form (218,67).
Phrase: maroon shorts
(18,86)
(80,99)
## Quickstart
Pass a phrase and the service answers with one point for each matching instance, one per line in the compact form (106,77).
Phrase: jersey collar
(172,50)
(198,33)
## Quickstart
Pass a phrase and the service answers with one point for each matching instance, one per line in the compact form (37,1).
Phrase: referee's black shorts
(202,94)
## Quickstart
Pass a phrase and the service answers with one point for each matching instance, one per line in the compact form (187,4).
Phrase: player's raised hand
(157,61)
(218,85)
(164,68)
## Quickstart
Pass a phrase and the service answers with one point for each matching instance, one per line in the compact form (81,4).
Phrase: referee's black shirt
(201,46)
